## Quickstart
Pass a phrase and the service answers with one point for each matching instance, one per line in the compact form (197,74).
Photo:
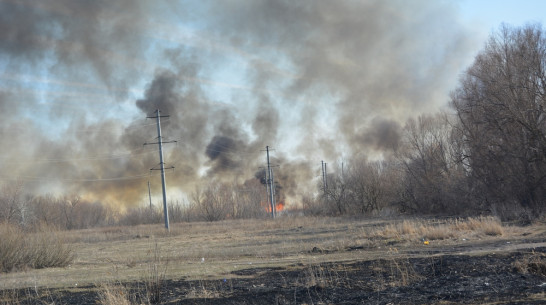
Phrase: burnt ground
(508,277)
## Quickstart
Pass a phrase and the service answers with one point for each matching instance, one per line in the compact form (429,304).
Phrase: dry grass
(401,270)
(203,290)
(395,270)
(533,263)
(150,292)
(155,277)
(43,249)
(317,275)
(434,230)
(113,294)
(197,251)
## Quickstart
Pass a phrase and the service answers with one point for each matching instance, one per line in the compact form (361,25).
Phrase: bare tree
(47,210)
(248,200)
(361,188)
(432,176)
(336,193)
(14,206)
(366,185)
(501,105)
(214,203)
(68,208)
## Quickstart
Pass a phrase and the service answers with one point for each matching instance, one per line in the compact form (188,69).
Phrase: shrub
(32,250)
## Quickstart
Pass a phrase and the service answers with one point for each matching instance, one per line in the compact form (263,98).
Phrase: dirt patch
(436,279)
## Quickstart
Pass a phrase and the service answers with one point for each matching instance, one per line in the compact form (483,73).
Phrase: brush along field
(294,260)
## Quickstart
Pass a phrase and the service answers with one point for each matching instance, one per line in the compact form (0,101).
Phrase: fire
(278,207)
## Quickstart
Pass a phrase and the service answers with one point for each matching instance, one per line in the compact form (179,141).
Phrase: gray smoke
(383,135)
(315,80)
(73,37)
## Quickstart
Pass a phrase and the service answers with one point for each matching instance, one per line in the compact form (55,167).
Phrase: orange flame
(278,207)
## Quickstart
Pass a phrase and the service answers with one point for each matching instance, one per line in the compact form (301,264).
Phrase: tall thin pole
(269,180)
(274,202)
(162,164)
(323,177)
(150,195)
(266,188)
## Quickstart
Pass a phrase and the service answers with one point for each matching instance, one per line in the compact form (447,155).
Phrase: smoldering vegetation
(330,81)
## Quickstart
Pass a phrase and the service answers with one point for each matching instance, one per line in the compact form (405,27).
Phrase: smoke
(383,135)
(315,80)
(73,37)
(161,94)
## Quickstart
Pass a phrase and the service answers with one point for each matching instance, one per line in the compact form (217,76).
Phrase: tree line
(485,156)
(213,202)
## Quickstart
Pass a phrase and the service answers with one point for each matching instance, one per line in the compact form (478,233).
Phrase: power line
(129,127)
(88,130)
(34,178)
(89,158)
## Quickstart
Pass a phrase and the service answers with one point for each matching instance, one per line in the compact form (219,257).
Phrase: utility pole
(266,187)
(270,183)
(273,194)
(161,164)
(323,176)
(150,195)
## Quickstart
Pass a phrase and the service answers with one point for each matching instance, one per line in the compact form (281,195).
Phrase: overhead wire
(109,179)
(129,127)
(138,151)
(106,157)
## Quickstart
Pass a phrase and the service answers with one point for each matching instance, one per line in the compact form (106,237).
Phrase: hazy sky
(486,15)
(315,80)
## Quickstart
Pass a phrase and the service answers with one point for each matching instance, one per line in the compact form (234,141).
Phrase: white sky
(487,15)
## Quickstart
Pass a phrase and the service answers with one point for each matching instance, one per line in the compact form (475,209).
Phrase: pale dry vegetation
(532,262)
(394,270)
(214,249)
(324,276)
(42,249)
(212,253)
(439,230)
(114,294)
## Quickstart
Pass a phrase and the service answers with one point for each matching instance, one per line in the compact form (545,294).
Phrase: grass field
(223,250)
